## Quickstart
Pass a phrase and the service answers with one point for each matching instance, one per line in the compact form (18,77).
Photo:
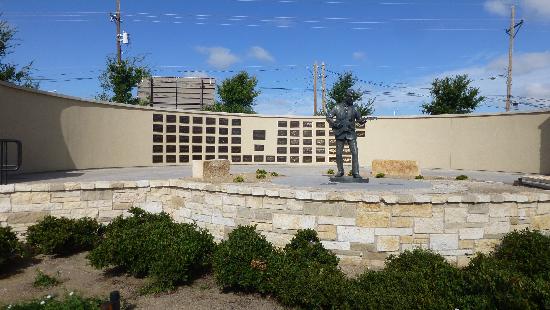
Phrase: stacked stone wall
(360,227)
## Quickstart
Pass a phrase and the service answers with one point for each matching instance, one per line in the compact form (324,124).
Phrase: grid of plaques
(183,138)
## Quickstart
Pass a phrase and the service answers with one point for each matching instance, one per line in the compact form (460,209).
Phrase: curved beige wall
(64,133)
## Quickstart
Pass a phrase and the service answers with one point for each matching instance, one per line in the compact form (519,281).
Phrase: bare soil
(76,275)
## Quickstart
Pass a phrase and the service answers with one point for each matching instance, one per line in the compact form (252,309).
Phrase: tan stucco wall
(62,133)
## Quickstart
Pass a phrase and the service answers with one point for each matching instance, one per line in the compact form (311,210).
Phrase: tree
(9,72)
(118,80)
(452,95)
(338,93)
(237,94)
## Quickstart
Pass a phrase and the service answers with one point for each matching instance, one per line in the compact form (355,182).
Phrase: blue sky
(395,47)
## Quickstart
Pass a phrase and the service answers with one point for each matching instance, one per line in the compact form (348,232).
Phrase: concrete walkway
(437,180)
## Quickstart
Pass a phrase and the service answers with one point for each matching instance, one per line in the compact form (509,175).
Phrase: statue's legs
(354,157)
(339,158)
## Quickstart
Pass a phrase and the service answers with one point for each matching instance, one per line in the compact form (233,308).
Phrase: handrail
(5,166)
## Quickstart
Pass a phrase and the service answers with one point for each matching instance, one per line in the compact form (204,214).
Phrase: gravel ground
(77,276)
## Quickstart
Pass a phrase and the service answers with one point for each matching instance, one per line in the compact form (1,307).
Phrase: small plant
(261,171)
(462,177)
(71,301)
(64,236)
(261,176)
(274,174)
(330,171)
(240,262)
(419,177)
(10,247)
(146,244)
(380,175)
(43,280)
(238,179)
(350,173)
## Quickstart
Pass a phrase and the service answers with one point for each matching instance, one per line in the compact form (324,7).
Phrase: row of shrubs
(302,274)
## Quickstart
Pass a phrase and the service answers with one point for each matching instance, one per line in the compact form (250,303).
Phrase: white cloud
(359,55)
(219,57)
(497,7)
(261,54)
(523,63)
(538,8)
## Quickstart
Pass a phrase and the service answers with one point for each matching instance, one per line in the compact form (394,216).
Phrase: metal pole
(511,33)
(314,88)
(324,85)
(118,49)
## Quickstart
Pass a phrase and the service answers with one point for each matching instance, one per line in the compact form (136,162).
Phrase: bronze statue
(342,119)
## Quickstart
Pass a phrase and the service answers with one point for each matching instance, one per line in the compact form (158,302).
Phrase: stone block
(336,245)
(326,232)
(373,219)
(541,222)
(486,245)
(40,197)
(403,168)
(90,195)
(211,169)
(355,234)
(26,217)
(5,204)
(443,242)
(303,194)
(7,189)
(428,225)
(455,215)
(503,210)
(402,222)
(334,220)
(293,221)
(470,233)
(478,218)
(387,243)
(393,231)
(21,198)
(415,210)
(496,228)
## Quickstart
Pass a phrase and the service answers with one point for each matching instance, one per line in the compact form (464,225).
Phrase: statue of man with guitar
(342,119)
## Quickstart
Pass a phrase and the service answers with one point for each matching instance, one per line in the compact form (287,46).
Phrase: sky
(396,48)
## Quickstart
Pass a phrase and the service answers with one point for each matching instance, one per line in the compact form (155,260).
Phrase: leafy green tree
(119,79)
(338,93)
(453,95)
(10,72)
(237,94)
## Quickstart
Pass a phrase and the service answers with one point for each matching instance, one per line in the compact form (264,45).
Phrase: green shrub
(527,252)
(461,177)
(419,177)
(330,171)
(10,247)
(70,302)
(240,262)
(500,287)
(416,279)
(260,176)
(238,179)
(42,280)
(274,174)
(380,175)
(64,236)
(350,173)
(146,244)
(306,275)
(261,171)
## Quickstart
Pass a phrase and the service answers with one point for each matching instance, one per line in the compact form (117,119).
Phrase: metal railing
(5,165)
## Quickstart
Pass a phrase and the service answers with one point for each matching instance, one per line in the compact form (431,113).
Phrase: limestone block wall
(361,228)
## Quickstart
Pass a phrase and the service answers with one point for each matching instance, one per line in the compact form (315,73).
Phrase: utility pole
(324,103)
(118,35)
(511,34)
(314,88)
